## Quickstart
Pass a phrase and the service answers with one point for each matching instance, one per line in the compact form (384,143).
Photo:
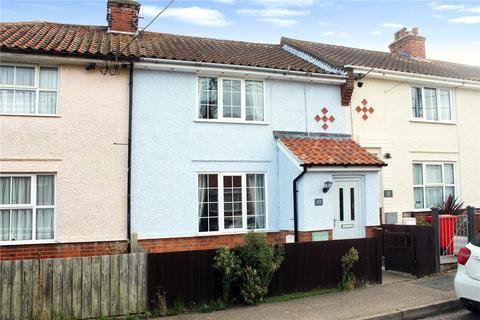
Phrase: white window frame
(424,186)
(35,87)
(33,206)
(220,117)
(424,113)
(221,221)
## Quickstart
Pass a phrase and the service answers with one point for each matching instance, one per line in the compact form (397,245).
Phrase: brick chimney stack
(122,15)
(408,42)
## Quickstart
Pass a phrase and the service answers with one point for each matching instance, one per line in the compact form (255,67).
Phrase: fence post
(471,223)
(379,237)
(436,237)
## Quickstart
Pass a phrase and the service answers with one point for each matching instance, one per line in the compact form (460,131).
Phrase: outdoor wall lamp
(326,186)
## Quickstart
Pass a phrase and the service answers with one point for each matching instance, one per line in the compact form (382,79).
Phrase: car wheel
(471,308)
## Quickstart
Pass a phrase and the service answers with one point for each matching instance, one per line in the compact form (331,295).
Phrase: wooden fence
(189,277)
(73,288)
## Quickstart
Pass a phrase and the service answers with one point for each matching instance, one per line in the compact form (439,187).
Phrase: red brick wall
(61,250)
(411,44)
(122,17)
(370,232)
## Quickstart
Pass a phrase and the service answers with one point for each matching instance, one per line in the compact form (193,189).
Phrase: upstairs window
(28,89)
(228,99)
(431,104)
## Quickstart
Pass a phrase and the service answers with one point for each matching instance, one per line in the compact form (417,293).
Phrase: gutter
(194,66)
(399,75)
(129,158)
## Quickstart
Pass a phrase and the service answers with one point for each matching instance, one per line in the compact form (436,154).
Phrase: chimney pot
(408,42)
(122,15)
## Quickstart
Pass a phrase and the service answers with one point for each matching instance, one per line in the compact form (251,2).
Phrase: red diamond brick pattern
(365,109)
(325,118)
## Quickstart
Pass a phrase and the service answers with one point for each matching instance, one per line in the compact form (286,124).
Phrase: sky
(452,28)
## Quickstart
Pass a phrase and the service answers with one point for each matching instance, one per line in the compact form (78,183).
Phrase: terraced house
(114,139)
(419,115)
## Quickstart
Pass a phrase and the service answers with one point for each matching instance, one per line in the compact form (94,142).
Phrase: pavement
(399,297)
(461,314)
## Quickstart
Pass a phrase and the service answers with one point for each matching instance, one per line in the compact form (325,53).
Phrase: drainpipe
(295,202)
(129,159)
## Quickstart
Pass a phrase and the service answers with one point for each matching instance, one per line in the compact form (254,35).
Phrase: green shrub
(250,267)
(348,277)
(227,262)
(252,289)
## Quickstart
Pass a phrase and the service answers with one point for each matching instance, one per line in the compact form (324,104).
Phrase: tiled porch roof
(333,152)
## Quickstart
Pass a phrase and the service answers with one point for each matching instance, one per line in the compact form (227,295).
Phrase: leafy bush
(348,277)
(449,206)
(227,262)
(250,267)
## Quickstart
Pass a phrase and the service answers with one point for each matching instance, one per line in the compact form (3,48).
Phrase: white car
(467,279)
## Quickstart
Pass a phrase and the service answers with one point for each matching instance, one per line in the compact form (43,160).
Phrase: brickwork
(408,42)
(347,89)
(61,250)
(123,16)
(370,232)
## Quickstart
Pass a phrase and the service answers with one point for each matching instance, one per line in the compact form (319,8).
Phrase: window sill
(226,233)
(29,115)
(231,122)
(433,121)
(26,242)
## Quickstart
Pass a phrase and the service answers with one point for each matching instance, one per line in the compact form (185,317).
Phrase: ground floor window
(27,207)
(231,201)
(432,183)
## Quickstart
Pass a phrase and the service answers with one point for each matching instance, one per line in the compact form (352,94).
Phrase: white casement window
(229,99)
(231,202)
(432,183)
(431,104)
(27,207)
(28,89)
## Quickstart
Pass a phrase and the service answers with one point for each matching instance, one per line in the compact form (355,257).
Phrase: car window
(476,240)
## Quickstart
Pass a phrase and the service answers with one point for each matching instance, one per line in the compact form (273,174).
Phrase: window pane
(418,197)
(4,225)
(45,190)
(44,224)
(431,104)
(433,173)
(445,110)
(449,191)
(21,190)
(48,78)
(24,101)
(21,224)
(449,175)
(231,98)
(417,109)
(417,174)
(6,101)
(6,75)
(5,190)
(254,100)
(208,97)
(232,202)
(47,102)
(208,202)
(434,196)
(24,76)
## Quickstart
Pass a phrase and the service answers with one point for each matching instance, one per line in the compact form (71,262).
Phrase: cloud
(225,1)
(390,25)
(342,35)
(284,23)
(376,33)
(193,15)
(286,3)
(473,9)
(328,33)
(445,7)
(466,20)
(321,23)
(274,12)
(334,34)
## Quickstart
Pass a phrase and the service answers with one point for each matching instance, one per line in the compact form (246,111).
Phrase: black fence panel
(189,276)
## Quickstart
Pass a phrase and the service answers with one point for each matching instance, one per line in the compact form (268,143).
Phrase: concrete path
(398,293)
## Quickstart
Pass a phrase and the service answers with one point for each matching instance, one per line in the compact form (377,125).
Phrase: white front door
(348,213)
